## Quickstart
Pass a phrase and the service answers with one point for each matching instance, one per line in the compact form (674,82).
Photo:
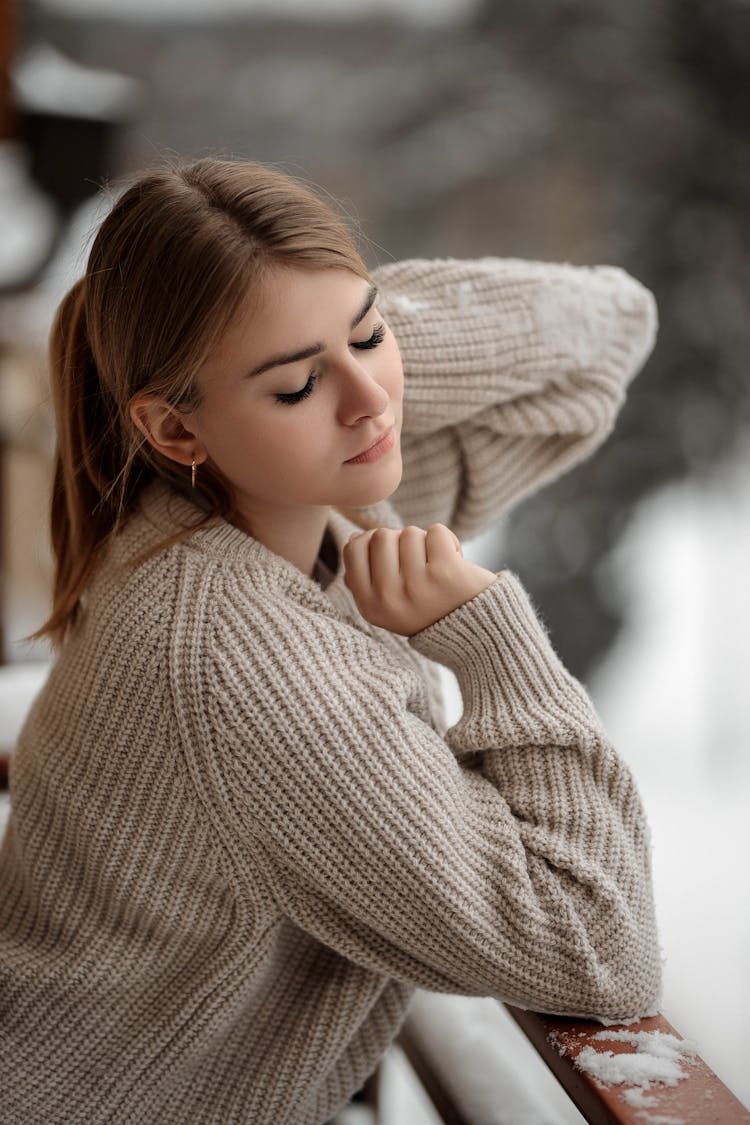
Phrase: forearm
(583,894)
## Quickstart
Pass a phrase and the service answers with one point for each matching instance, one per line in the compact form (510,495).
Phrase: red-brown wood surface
(7,30)
(700,1098)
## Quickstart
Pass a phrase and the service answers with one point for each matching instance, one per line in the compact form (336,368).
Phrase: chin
(378,490)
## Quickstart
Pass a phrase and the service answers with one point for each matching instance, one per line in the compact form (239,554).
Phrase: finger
(357,562)
(412,553)
(384,560)
(441,542)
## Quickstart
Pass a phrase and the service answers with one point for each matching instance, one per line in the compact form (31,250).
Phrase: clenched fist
(405,580)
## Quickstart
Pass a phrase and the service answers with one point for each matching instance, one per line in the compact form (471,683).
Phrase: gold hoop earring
(192,474)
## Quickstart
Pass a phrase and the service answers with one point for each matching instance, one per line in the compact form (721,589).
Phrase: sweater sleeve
(514,371)
(508,859)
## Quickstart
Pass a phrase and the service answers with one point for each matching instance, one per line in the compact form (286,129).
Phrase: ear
(167,429)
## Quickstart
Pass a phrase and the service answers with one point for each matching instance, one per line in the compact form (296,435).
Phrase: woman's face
(308,379)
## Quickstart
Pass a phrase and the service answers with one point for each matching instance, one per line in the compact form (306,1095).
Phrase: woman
(241,834)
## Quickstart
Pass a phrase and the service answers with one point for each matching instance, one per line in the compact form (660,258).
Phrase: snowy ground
(673,696)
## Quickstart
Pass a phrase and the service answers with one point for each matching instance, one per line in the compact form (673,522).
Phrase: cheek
(280,431)
(397,369)
(391,366)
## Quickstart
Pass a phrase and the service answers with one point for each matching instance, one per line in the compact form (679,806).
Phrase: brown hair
(179,250)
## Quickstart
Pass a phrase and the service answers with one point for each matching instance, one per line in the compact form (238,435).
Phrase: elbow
(626,995)
(614,961)
(638,316)
(626,983)
(644,338)
(613,977)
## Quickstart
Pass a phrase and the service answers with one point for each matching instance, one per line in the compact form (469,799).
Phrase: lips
(377,441)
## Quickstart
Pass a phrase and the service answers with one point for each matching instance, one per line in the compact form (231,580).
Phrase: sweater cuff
(514,686)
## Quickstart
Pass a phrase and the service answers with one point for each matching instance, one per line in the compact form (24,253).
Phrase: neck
(294,533)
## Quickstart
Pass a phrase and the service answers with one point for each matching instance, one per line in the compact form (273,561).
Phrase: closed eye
(377,337)
(297,396)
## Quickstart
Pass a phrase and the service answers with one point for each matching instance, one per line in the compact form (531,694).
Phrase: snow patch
(45,79)
(658,1043)
(634,1069)
(465,295)
(656,1058)
(638,1098)
(406,304)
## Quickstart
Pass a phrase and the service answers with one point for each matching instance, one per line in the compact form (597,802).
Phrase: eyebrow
(313,349)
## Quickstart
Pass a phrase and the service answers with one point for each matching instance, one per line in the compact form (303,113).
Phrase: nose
(361,393)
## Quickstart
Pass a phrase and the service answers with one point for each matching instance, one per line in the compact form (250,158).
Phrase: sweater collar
(167,511)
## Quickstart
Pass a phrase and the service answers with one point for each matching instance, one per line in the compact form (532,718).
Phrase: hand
(405,580)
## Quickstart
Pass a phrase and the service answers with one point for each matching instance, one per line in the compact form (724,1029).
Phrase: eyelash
(377,337)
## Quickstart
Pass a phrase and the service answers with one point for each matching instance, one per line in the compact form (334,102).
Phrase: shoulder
(232,616)
(162,577)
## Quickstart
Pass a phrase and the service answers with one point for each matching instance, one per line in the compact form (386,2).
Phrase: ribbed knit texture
(241,834)
(516,372)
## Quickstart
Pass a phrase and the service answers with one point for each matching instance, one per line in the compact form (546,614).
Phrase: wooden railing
(698,1098)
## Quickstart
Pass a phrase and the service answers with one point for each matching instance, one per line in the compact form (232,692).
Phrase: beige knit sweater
(241,834)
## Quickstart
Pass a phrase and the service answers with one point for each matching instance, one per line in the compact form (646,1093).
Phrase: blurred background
(590,131)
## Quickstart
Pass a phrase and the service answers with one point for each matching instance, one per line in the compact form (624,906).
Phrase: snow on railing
(642,1073)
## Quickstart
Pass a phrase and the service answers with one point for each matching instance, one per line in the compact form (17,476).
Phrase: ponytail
(89,461)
